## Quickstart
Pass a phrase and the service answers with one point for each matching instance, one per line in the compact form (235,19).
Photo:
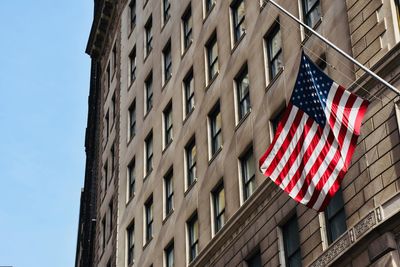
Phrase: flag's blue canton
(311,90)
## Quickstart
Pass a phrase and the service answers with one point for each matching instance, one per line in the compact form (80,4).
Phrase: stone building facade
(184,100)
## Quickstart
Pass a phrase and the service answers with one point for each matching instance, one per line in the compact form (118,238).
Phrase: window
(130,232)
(149,219)
(107,118)
(148,37)
(254,260)
(167,114)
(212,58)
(275,121)
(132,65)
(109,263)
(218,197)
(112,152)
(169,255)
(335,217)
(166,10)
(215,125)
(110,219)
(188,92)
(248,169)
(149,153)
(291,243)
(132,120)
(167,60)
(105,169)
(114,58)
(208,5)
(103,230)
(190,151)
(311,12)
(274,51)
(113,107)
(108,71)
(193,237)
(149,92)
(242,93)
(131,179)
(238,15)
(132,14)
(187,26)
(169,193)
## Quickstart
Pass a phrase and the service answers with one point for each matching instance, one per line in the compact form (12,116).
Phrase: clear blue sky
(44,85)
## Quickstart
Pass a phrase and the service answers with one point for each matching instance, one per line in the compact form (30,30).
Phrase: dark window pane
(238,16)
(311,12)
(243,93)
(335,217)
(248,174)
(169,256)
(219,207)
(187,28)
(131,243)
(193,237)
(291,241)
(188,84)
(191,162)
(216,132)
(149,92)
(212,57)
(254,261)
(132,11)
(149,219)
(274,49)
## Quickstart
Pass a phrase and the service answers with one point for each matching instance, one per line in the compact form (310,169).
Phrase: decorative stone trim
(347,240)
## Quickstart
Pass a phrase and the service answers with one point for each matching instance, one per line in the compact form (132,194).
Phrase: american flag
(315,139)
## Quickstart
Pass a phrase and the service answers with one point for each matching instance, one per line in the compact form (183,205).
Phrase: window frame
(208,5)
(149,219)
(166,11)
(340,211)
(192,239)
(167,62)
(167,250)
(148,84)
(190,163)
(132,65)
(168,123)
(218,215)
(269,37)
(238,27)
(148,36)
(132,120)
(132,14)
(168,193)
(130,240)
(187,28)
(188,87)
(306,12)
(149,156)
(215,135)
(242,101)
(247,181)
(291,222)
(212,62)
(131,179)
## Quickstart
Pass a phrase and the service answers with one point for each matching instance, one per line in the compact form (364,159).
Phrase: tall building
(185,97)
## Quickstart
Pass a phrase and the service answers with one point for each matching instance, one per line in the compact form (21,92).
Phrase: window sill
(166,147)
(147,175)
(208,13)
(131,84)
(131,30)
(307,33)
(190,187)
(147,243)
(188,115)
(186,49)
(241,121)
(215,155)
(210,82)
(272,82)
(147,113)
(130,199)
(147,55)
(130,140)
(166,83)
(237,43)
(167,216)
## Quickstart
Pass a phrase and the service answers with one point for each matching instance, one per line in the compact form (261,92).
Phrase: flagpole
(391,87)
